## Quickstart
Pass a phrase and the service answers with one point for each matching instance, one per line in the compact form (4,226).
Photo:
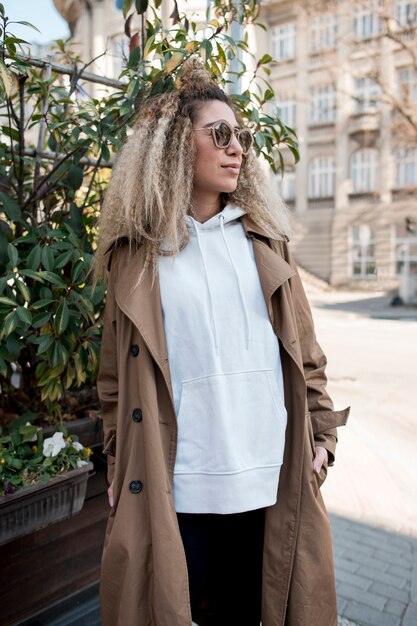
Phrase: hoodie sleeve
(107,380)
(324,418)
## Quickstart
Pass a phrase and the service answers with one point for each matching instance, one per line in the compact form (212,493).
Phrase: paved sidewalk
(376,574)
(371,491)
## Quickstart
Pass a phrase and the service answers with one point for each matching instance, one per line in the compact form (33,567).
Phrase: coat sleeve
(107,380)
(324,418)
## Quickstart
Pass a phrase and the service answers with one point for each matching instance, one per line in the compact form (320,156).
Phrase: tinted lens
(245,140)
(223,134)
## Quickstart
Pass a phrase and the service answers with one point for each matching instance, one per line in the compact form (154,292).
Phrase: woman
(211,382)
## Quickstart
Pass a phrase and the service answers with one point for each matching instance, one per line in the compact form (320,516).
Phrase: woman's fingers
(110,494)
(319,458)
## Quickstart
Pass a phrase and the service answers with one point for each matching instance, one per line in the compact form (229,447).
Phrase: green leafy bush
(57,145)
(26,458)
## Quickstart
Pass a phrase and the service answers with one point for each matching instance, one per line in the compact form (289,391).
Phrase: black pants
(224,560)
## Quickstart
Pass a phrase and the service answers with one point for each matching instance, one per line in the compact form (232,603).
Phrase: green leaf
(11,208)
(75,176)
(265,59)
(14,346)
(39,304)
(47,258)
(41,319)
(34,257)
(24,315)
(63,259)
(24,290)
(8,301)
(54,279)
(206,49)
(29,25)
(105,152)
(10,322)
(126,7)
(28,433)
(45,344)
(6,79)
(141,6)
(61,318)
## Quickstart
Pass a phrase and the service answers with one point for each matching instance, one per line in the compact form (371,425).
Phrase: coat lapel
(273,270)
(142,305)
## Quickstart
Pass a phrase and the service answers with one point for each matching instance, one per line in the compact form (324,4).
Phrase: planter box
(38,506)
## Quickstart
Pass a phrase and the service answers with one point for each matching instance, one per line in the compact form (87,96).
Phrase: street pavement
(371,493)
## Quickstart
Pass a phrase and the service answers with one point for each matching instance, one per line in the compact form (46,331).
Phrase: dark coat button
(134,349)
(135,486)
(137,415)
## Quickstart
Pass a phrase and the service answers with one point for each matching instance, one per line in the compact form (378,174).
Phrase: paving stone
(368,561)
(341,604)
(392,558)
(395,607)
(346,622)
(352,579)
(367,616)
(348,566)
(385,544)
(352,593)
(338,550)
(399,570)
(358,553)
(382,577)
(410,616)
(389,592)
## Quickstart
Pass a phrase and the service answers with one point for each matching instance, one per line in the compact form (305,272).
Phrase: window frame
(323,103)
(321,177)
(362,172)
(283,36)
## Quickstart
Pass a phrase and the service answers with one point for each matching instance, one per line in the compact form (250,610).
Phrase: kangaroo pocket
(230,423)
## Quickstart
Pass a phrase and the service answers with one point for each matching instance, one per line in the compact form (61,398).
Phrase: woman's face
(216,170)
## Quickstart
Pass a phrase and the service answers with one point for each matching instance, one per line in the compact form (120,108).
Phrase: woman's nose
(235,147)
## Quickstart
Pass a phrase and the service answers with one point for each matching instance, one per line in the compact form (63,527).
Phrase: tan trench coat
(144,579)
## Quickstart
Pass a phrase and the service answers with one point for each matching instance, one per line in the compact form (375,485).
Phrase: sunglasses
(222,133)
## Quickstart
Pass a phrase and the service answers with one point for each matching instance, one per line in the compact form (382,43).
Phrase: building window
(406,167)
(287,111)
(407,79)
(406,13)
(283,42)
(366,94)
(321,176)
(363,170)
(285,185)
(367,19)
(405,250)
(362,252)
(322,104)
(323,32)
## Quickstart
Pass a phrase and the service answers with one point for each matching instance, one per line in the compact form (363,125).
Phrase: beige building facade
(354,191)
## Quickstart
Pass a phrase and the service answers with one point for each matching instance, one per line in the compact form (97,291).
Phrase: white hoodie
(226,371)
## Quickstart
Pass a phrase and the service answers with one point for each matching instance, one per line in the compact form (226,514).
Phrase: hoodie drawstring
(245,311)
(213,320)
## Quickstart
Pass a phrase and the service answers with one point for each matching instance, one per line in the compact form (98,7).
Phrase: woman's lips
(233,169)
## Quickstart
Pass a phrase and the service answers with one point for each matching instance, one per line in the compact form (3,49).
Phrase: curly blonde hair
(150,191)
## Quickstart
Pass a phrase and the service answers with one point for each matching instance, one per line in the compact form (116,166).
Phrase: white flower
(80,463)
(77,446)
(53,445)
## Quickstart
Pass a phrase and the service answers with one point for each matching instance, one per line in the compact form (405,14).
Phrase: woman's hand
(319,458)
(110,494)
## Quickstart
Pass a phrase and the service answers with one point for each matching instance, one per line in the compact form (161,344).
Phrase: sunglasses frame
(235,131)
